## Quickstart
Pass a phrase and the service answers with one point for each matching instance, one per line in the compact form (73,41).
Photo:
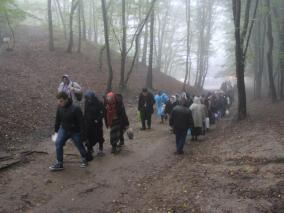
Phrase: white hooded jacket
(198,112)
(70,89)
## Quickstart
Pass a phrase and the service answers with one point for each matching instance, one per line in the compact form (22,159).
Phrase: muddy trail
(237,167)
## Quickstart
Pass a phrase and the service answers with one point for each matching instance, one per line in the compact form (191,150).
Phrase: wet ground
(236,167)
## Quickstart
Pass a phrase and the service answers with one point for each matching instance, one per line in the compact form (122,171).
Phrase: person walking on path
(116,120)
(68,124)
(93,122)
(181,120)
(198,114)
(171,103)
(161,99)
(72,88)
(146,108)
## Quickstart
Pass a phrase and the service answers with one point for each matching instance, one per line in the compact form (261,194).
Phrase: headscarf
(173,98)
(196,100)
(65,87)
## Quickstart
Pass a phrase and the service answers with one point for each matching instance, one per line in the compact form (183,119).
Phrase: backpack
(78,95)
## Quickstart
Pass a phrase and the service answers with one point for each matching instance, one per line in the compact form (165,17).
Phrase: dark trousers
(62,137)
(115,133)
(95,135)
(146,116)
(121,136)
(180,139)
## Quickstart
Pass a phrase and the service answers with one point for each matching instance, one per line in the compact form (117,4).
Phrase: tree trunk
(74,5)
(260,33)
(79,27)
(137,40)
(123,43)
(161,37)
(149,80)
(242,110)
(95,26)
(187,71)
(82,14)
(50,26)
(62,19)
(105,21)
(241,50)
(145,44)
(281,59)
(270,54)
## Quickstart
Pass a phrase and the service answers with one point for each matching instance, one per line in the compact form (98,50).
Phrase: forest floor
(236,167)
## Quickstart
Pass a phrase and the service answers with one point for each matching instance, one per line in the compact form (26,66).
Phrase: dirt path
(235,168)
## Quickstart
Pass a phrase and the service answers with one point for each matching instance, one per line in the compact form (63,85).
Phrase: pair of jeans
(62,137)
(180,139)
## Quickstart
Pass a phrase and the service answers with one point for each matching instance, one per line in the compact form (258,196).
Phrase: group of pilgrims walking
(185,115)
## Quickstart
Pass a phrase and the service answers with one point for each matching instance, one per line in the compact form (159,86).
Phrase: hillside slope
(30,76)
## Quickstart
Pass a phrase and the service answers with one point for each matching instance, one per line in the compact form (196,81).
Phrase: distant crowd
(185,114)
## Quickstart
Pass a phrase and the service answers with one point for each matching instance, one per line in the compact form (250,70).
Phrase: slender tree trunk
(11,30)
(270,54)
(62,19)
(162,37)
(123,43)
(50,26)
(149,80)
(101,58)
(145,44)
(83,19)
(74,5)
(105,21)
(281,59)
(137,40)
(79,27)
(260,44)
(187,71)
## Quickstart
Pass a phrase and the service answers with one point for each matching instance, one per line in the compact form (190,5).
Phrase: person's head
(196,100)
(145,91)
(90,97)
(65,79)
(173,99)
(63,99)
(183,102)
(110,98)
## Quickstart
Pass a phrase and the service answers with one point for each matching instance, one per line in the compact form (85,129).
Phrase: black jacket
(146,103)
(121,112)
(70,118)
(94,110)
(170,106)
(181,118)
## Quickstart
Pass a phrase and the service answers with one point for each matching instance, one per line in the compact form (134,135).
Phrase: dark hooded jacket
(69,117)
(94,110)
(93,119)
(181,118)
(121,112)
(146,103)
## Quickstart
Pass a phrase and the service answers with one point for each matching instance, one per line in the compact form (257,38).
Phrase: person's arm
(101,113)
(190,120)
(60,88)
(172,118)
(57,121)
(140,103)
(79,119)
(76,87)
